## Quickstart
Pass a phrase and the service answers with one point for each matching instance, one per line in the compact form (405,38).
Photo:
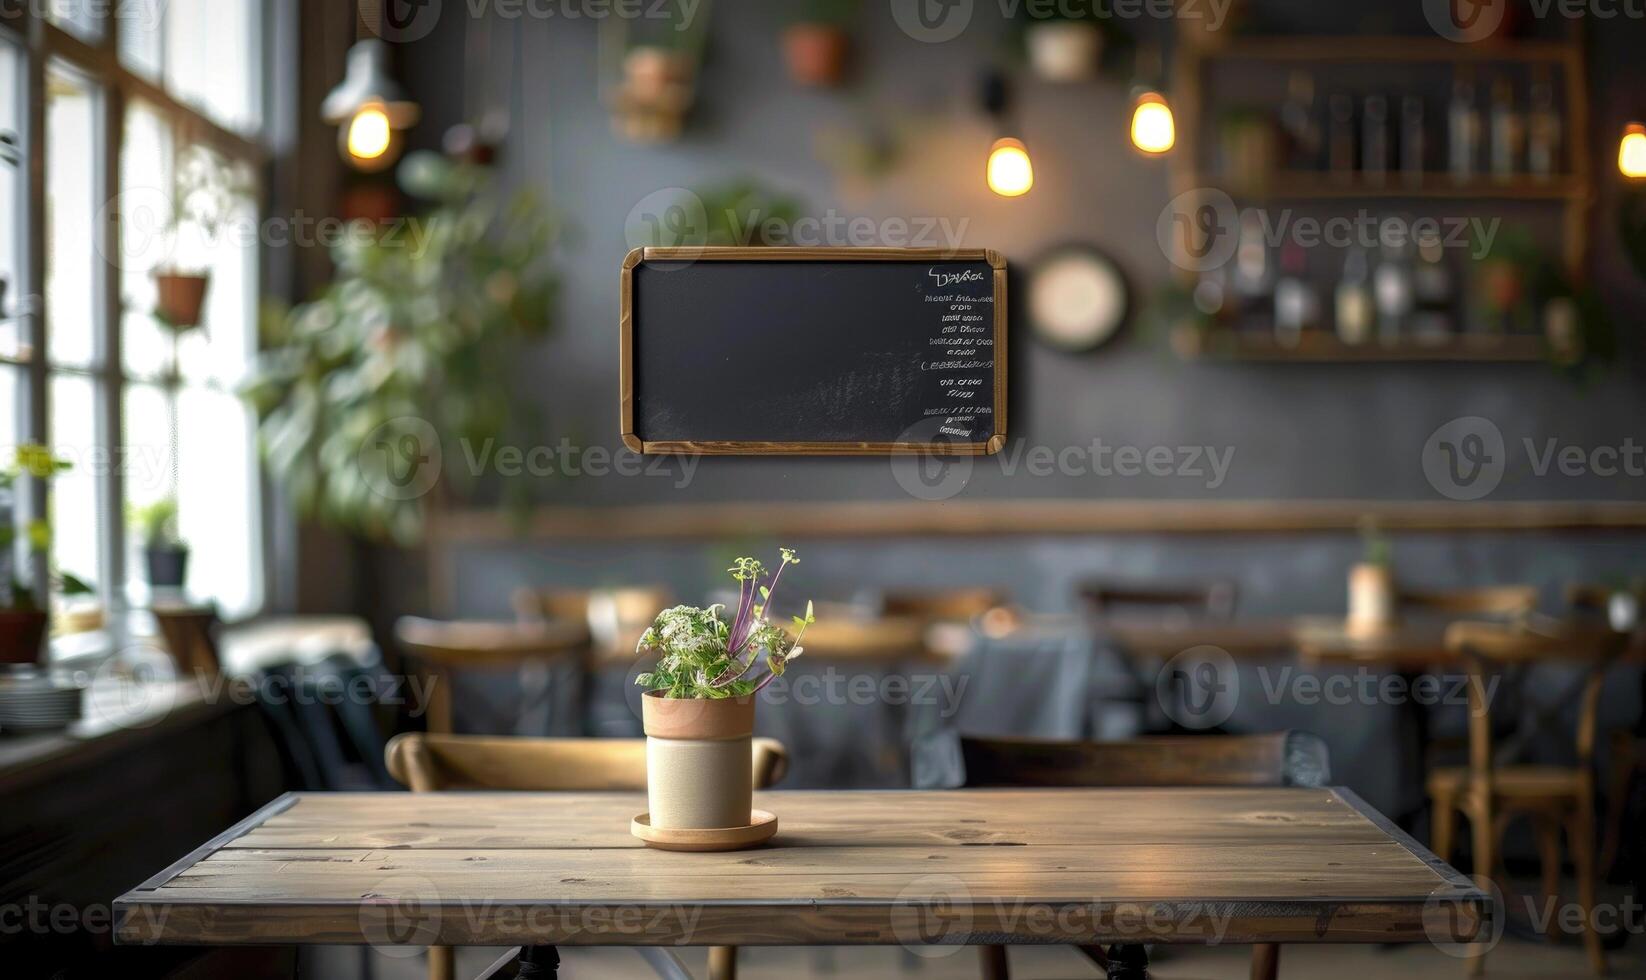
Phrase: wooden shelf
(1304,184)
(1322,347)
(1416,48)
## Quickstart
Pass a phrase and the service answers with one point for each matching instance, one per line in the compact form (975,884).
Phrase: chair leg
(1265,961)
(1483,828)
(722,963)
(1445,825)
(1617,800)
(993,961)
(1582,832)
(1549,858)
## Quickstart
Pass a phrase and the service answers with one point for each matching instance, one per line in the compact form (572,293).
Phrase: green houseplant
(165,553)
(698,709)
(404,358)
(23,614)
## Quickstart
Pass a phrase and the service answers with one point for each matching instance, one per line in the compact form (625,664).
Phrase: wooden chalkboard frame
(809,254)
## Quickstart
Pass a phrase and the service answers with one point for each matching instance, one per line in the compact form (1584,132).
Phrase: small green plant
(37,462)
(701,655)
(157,523)
(1375,544)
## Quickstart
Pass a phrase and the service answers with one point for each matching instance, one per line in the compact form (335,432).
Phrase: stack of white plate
(38,704)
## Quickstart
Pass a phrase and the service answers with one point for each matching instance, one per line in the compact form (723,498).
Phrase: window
(144,410)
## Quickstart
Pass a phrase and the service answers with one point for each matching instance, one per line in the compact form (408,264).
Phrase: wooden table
(1075,866)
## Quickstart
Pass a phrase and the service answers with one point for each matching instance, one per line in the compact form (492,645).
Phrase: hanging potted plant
(205,195)
(816,44)
(698,713)
(165,554)
(23,615)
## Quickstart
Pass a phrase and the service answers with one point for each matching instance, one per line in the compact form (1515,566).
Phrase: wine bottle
(1352,304)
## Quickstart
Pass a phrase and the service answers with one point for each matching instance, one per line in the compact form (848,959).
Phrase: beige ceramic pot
(698,774)
(1371,599)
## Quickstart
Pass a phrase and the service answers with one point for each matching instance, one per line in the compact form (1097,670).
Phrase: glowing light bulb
(1153,130)
(1010,172)
(369,133)
(1631,153)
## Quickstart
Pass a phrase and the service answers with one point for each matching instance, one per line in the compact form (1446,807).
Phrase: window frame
(44,44)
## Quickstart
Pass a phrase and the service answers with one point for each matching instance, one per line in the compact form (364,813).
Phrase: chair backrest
(887,640)
(190,633)
(948,604)
(1212,600)
(429,762)
(481,643)
(948,760)
(1488,648)
(530,605)
(1506,601)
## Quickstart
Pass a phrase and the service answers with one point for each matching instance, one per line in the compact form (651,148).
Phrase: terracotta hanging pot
(816,53)
(21,632)
(180,298)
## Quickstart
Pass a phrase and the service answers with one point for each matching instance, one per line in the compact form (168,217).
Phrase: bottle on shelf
(1352,302)
(1414,146)
(1297,305)
(1508,130)
(1374,139)
(1543,128)
(1432,290)
(1392,292)
(1340,136)
(1300,123)
(1253,280)
(1463,131)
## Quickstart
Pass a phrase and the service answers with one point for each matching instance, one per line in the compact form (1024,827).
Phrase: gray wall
(1295,431)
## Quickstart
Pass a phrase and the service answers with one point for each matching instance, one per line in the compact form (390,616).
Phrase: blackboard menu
(813,350)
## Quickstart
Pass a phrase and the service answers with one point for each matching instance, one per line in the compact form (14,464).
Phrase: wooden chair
(1626,748)
(948,760)
(613,618)
(428,763)
(1490,795)
(1505,601)
(950,604)
(442,647)
(1211,600)
(190,633)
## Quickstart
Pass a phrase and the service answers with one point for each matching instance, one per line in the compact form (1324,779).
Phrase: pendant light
(1010,172)
(1631,152)
(1154,130)
(370,107)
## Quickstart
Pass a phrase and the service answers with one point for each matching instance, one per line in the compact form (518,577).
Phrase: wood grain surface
(869,867)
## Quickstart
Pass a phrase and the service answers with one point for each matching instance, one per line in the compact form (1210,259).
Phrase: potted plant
(408,352)
(816,44)
(165,554)
(204,198)
(698,709)
(23,616)
(1372,598)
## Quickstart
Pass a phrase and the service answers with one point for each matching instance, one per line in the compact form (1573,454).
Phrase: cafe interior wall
(1304,432)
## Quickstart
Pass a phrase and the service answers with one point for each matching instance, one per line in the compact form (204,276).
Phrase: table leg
(539,963)
(1128,962)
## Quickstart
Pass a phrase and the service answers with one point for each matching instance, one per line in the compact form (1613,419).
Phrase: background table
(870,868)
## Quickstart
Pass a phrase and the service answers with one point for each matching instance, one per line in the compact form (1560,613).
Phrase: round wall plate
(1078,298)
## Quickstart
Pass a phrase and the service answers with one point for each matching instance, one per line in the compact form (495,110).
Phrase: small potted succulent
(698,708)
(1372,584)
(23,615)
(816,44)
(165,553)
